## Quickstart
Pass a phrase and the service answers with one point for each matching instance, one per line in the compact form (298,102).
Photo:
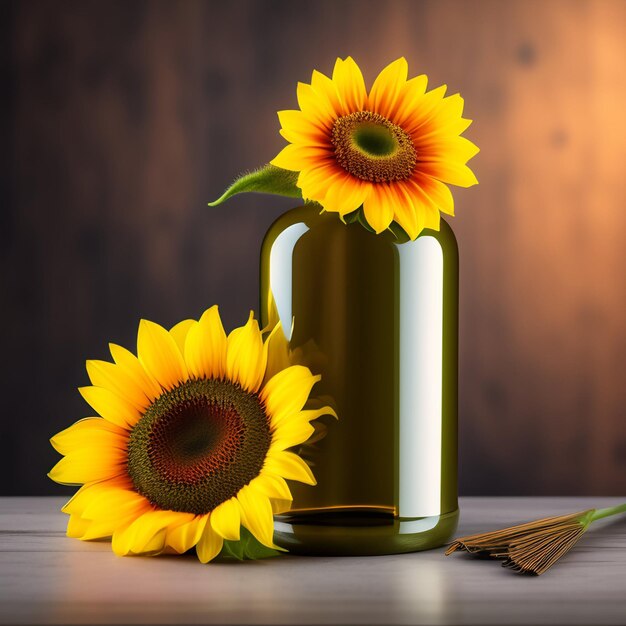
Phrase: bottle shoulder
(309,222)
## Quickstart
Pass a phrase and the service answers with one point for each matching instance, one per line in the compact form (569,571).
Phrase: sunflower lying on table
(191,446)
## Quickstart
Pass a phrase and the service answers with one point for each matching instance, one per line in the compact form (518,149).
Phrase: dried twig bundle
(534,547)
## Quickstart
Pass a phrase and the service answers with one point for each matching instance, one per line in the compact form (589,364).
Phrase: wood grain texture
(125,118)
(47,578)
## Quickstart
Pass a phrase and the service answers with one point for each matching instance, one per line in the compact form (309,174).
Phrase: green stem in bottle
(607,512)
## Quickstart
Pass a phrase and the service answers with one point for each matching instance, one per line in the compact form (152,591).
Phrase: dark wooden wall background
(124,118)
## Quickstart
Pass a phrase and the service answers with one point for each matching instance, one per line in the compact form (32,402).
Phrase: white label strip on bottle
(421,377)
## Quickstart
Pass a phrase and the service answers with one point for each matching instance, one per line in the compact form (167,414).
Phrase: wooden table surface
(46,578)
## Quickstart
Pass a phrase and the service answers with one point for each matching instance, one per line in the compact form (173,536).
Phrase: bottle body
(377,317)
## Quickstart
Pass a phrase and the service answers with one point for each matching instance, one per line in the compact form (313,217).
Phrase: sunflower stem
(608,511)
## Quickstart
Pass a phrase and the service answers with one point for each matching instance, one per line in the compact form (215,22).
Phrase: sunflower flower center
(197,445)
(372,148)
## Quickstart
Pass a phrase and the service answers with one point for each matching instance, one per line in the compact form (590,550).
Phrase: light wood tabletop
(47,578)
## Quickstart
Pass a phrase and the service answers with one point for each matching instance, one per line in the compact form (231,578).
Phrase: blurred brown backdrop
(124,118)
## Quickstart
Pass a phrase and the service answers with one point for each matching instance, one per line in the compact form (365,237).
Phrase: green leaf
(358,216)
(350,218)
(247,548)
(233,549)
(363,221)
(256,550)
(267,179)
(399,232)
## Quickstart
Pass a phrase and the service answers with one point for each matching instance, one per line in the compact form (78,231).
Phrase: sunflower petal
(123,537)
(296,157)
(454,149)
(115,379)
(98,529)
(291,433)
(83,497)
(89,464)
(277,352)
(379,207)
(114,503)
(350,85)
(427,211)
(317,109)
(185,536)
(280,506)
(147,533)
(448,110)
(91,431)
(311,414)
(309,139)
(110,406)
(159,354)
(131,366)
(289,466)
(432,130)
(448,172)
(387,87)
(155,545)
(272,486)
(346,195)
(286,392)
(226,519)
(437,191)
(423,111)
(256,514)
(408,99)
(77,527)
(405,213)
(179,333)
(210,544)
(432,217)
(108,524)
(327,89)
(246,357)
(205,348)
(316,182)
(296,123)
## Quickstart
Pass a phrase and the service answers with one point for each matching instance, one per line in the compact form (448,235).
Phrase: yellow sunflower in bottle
(381,156)
(392,150)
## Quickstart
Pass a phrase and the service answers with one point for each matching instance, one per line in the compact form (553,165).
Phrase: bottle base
(350,532)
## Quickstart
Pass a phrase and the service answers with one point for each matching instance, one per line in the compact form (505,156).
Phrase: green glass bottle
(377,317)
